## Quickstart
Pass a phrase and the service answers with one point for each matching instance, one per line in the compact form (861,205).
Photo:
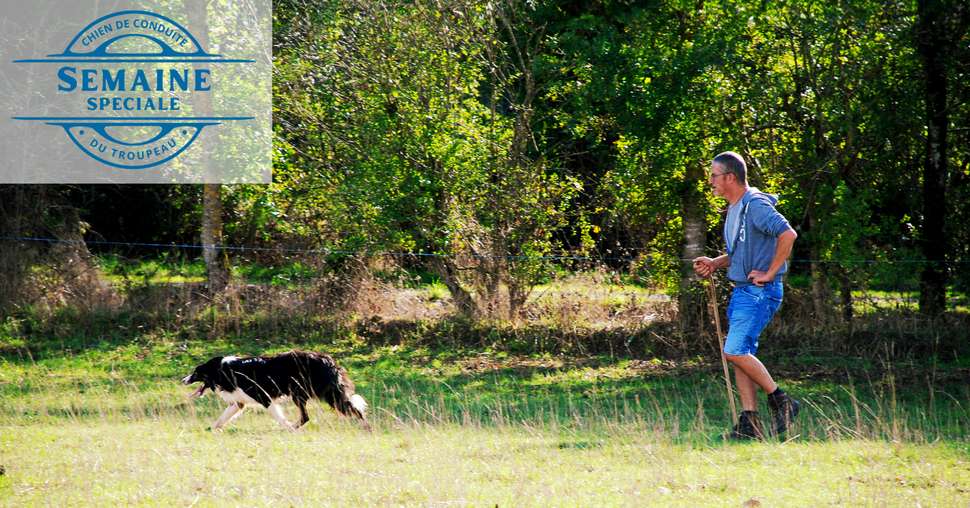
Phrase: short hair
(733,163)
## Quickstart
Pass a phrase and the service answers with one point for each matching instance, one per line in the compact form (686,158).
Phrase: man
(759,241)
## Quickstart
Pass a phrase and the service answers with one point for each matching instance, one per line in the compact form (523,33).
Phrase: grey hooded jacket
(753,247)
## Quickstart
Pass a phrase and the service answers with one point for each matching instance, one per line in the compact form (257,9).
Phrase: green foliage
(402,127)
(498,134)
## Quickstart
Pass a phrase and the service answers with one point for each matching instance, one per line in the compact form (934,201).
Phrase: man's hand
(759,278)
(782,251)
(704,266)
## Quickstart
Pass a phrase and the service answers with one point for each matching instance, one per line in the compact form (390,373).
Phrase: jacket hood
(754,192)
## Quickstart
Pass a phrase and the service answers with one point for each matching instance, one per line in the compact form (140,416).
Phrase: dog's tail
(349,402)
(358,403)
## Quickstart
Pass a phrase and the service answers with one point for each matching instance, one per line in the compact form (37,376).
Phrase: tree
(648,81)
(216,263)
(413,125)
(939,26)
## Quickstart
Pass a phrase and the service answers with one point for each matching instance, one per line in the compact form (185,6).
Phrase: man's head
(728,174)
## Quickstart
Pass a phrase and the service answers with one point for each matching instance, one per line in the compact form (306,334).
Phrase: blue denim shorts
(749,311)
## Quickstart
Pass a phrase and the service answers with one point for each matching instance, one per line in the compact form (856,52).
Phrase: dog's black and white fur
(267,380)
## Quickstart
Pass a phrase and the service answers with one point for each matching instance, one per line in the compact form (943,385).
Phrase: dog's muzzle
(197,393)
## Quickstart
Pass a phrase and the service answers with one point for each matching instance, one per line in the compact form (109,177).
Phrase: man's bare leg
(747,390)
(749,373)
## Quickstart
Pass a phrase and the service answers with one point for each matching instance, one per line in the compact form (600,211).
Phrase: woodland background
(486,212)
(493,147)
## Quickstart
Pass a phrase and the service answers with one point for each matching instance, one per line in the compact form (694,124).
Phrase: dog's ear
(213,364)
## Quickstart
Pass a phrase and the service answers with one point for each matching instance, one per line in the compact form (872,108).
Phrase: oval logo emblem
(135,73)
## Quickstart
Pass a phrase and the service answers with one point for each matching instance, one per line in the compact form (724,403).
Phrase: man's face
(718,179)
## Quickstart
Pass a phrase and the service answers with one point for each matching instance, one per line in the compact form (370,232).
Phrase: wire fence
(583,303)
(344,252)
(843,284)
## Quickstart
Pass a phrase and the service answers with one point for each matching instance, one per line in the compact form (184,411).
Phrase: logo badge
(143,83)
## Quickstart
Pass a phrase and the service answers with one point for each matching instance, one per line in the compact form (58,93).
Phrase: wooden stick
(712,296)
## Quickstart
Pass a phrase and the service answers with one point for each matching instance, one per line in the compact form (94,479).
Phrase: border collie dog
(267,380)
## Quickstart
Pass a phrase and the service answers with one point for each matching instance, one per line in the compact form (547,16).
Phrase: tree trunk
(448,272)
(846,294)
(18,205)
(493,273)
(518,293)
(215,260)
(216,266)
(820,289)
(690,301)
(931,44)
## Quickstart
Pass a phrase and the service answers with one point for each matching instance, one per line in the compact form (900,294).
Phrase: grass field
(104,421)
(172,461)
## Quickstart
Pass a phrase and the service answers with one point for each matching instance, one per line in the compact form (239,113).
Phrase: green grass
(163,270)
(875,301)
(175,462)
(437,291)
(103,420)
(176,270)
